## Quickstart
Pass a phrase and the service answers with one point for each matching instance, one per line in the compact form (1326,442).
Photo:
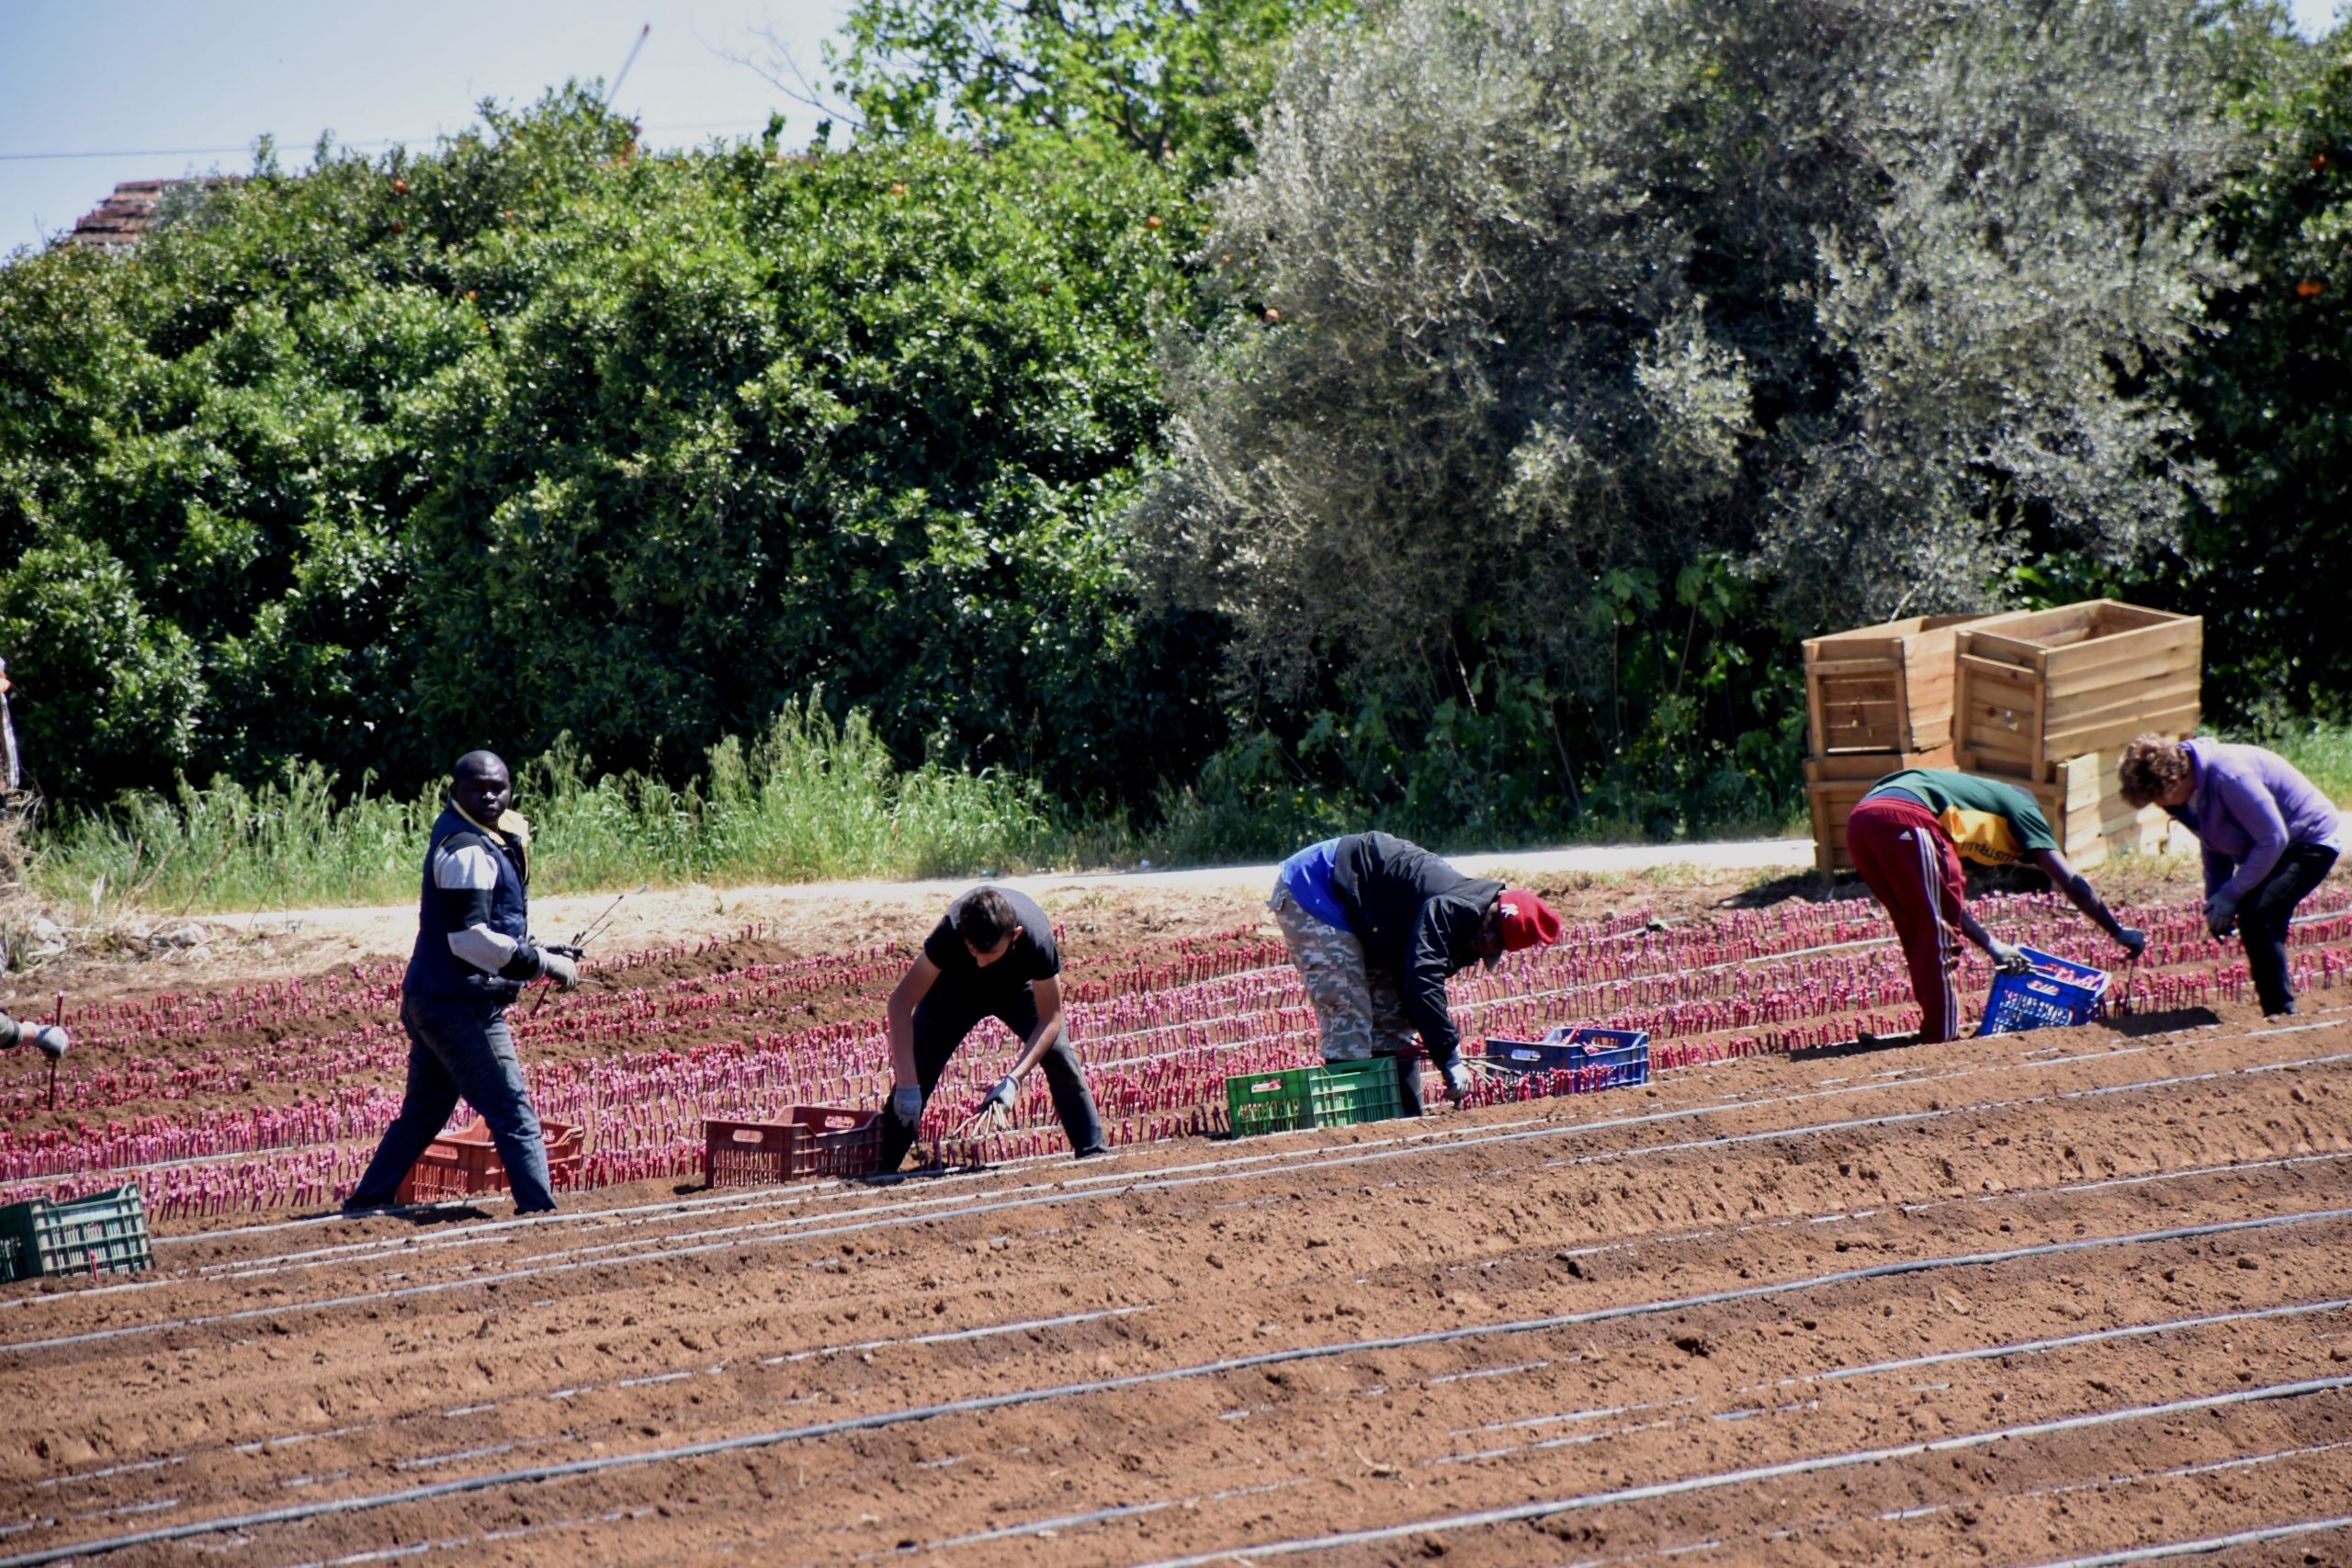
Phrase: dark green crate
(9,1253)
(1331,1096)
(103,1233)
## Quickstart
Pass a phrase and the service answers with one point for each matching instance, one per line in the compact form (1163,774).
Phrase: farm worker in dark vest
(2268,836)
(473,956)
(1908,836)
(1377,926)
(991,956)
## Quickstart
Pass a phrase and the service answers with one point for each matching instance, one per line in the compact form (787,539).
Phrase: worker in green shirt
(1908,836)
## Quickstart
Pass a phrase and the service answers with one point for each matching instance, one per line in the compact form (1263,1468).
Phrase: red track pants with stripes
(1908,859)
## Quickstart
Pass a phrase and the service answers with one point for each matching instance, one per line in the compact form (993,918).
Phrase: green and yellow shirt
(1989,822)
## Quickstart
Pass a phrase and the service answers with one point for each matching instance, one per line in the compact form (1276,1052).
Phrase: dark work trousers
(458,1046)
(1905,855)
(944,1018)
(2263,919)
(1408,1078)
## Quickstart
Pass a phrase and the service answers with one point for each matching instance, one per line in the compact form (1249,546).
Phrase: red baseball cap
(1527,920)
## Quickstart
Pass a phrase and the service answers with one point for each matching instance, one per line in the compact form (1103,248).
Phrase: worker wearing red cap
(1376,926)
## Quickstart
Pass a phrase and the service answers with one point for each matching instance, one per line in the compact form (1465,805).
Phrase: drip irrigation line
(1720,1480)
(980,1404)
(733,1237)
(2206,1545)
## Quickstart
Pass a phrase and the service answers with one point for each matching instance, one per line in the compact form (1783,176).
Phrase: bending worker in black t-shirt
(991,956)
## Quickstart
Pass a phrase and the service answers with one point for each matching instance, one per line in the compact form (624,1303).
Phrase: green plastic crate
(103,1233)
(1331,1096)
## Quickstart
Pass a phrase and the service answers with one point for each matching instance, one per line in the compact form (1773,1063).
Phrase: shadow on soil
(2133,1025)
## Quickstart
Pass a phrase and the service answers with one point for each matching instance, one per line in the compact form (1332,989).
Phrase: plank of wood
(2155,693)
(2175,721)
(2176,644)
(1989,680)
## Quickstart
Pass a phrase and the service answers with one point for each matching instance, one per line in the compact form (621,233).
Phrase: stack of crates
(2047,698)
(103,1233)
(1878,700)
(1335,1094)
(816,1140)
(464,1164)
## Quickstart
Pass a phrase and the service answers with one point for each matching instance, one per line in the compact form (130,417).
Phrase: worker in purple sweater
(2268,836)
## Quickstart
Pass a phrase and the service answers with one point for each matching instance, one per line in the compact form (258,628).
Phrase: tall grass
(810,799)
(2322,753)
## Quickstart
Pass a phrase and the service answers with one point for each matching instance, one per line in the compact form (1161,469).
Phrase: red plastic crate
(835,1142)
(748,1153)
(464,1164)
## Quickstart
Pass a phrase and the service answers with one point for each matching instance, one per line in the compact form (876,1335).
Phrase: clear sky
(150,81)
(171,88)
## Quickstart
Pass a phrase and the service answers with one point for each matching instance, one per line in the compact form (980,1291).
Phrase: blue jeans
(460,1045)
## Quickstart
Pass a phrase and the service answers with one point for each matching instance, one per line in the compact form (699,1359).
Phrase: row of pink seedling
(862,1081)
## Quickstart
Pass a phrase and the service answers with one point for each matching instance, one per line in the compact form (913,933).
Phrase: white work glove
(563,971)
(2007,960)
(1002,1096)
(1457,1080)
(906,1103)
(50,1037)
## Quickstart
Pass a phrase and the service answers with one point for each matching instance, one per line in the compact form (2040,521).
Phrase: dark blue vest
(432,969)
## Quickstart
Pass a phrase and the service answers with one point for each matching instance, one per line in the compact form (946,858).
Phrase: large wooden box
(1886,688)
(2041,687)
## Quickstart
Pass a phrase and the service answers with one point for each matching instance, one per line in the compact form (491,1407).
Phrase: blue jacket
(473,916)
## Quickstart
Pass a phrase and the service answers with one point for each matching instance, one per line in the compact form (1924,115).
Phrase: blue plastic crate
(1615,1057)
(2058,993)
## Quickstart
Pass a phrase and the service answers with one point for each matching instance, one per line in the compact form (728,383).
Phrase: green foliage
(1169,81)
(533,435)
(1594,349)
(2269,559)
(810,799)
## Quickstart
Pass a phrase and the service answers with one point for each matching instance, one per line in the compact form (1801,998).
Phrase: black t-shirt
(1032,956)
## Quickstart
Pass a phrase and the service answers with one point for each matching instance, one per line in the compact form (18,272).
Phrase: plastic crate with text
(103,1233)
(2058,993)
(1585,1057)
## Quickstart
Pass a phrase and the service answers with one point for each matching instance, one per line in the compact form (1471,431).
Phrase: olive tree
(1542,316)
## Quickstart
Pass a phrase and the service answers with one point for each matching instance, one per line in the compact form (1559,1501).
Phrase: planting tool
(577,946)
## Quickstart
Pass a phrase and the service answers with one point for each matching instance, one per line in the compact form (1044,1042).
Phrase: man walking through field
(473,956)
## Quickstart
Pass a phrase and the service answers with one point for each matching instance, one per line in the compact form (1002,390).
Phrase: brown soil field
(2031,1299)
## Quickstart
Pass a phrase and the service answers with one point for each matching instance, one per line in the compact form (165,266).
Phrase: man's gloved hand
(2221,916)
(52,1038)
(1457,1080)
(1001,1097)
(559,967)
(2134,941)
(2008,960)
(906,1103)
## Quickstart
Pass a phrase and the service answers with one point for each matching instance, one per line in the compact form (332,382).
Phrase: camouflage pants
(1360,1010)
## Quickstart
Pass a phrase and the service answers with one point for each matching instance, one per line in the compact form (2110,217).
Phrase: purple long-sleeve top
(2248,806)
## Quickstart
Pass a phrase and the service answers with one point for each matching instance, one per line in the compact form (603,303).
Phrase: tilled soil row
(1571,1271)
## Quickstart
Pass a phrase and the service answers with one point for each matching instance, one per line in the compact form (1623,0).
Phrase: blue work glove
(1001,1097)
(2007,960)
(2134,941)
(2221,916)
(906,1103)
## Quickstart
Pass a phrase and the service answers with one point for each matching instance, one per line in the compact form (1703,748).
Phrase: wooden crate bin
(1886,688)
(2084,803)
(2041,687)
